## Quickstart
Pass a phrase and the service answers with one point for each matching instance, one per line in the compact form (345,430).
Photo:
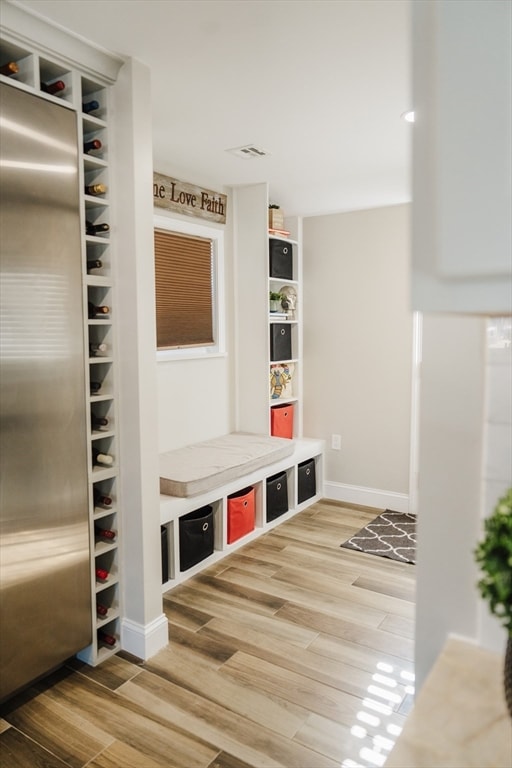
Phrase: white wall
(196,396)
(193,401)
(449,497)
(358,351)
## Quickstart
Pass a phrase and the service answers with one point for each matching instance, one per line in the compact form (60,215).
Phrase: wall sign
(181,197)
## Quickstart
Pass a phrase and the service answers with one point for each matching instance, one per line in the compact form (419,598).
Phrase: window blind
(183,284)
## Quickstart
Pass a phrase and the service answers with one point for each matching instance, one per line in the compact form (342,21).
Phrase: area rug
(391,534)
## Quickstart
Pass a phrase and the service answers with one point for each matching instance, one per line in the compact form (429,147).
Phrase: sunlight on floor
(386,692)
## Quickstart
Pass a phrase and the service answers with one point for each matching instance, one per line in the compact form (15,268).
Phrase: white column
(144,626)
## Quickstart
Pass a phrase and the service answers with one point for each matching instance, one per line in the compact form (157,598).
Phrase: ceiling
(318,84)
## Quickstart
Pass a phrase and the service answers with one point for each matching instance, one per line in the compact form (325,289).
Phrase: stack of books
(279,232)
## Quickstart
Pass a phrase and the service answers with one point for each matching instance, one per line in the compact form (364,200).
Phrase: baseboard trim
(366,497)
(144,640)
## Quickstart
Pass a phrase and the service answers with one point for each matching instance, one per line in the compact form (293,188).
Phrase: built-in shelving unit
(284,356)
(257,389)
(40,73)
(173,508)
(301,474)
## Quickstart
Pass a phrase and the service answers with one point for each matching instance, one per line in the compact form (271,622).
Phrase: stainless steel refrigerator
(45,593)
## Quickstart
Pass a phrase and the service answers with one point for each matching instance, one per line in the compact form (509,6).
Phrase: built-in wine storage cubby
(54,78)
(101,350)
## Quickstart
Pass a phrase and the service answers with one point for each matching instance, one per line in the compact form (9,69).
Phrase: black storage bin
(196,537)
(280,341)
(280,259)
(277,496)
(306,477)
(164,541)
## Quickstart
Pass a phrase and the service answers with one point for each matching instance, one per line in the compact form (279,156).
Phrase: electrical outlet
(336,442)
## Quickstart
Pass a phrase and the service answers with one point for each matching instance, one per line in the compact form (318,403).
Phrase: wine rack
(35,71)
(99,287)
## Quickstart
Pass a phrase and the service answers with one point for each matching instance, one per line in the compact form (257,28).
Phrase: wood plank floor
(290,652)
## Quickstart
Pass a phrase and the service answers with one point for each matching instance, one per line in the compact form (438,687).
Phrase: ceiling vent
(249,151)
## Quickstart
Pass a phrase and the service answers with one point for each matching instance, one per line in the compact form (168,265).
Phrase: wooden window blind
(184,295)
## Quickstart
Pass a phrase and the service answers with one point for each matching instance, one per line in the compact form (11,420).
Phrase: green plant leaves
(494,556)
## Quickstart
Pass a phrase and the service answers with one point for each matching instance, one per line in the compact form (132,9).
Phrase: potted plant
(275,299)
(494,556)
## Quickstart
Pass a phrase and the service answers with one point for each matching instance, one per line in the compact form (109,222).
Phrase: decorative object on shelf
(289,300)
(494,556)
(281,381)
(275,299)
(275,217)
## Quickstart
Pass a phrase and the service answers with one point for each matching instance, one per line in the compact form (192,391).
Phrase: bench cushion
(201,467)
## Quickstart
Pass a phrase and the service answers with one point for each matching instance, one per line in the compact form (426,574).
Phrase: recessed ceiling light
(408,116)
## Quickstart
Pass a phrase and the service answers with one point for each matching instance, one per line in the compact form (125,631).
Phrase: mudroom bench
(218,495)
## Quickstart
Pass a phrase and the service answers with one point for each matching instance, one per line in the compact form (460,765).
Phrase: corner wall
(358,351)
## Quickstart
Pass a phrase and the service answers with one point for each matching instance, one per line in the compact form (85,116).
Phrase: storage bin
(280,341)
(277,496)
(306,479)
(241,514)
(280,259)
(164,543)
(281,420)
(196,537)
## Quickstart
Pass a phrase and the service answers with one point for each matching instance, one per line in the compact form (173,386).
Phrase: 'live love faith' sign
(180,197)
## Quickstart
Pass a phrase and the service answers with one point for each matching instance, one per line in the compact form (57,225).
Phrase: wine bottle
(101,609)
(99,423)
(93,229)
(94,310)
(90,106)
(103,459)
(104,533)
(102,574)
(57,87)
(96,189)
(11,68)
(95,387)
(94,264)
(104,637)
(93,144)
(96,350)
(99,498)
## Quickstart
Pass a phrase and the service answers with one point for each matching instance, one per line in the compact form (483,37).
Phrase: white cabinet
(462,157)
(59,80)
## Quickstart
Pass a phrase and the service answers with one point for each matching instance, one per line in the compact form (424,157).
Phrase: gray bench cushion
(201,467)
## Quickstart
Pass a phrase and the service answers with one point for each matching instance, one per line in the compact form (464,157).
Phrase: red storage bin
(281,421)
(241,514)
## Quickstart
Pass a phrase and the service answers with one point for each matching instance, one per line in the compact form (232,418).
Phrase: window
(188,269)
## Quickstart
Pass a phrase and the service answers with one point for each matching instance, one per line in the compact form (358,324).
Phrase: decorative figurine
(289,300)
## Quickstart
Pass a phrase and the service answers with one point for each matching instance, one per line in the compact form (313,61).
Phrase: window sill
(168,356)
